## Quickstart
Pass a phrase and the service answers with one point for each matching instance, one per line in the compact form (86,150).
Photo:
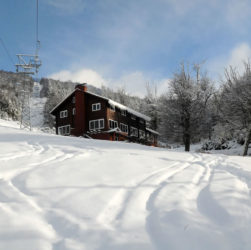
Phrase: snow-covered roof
(129,110)
(122,107)
(112,103)
(61,102)
(114,130)
(152,131)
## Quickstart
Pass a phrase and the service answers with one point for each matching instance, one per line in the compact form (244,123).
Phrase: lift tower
(28,64)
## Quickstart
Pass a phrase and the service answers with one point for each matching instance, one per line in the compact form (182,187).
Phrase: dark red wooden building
(86,114)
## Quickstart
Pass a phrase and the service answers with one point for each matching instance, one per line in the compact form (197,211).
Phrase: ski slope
(66,193)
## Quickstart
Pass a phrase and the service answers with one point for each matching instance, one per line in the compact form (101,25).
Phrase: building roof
(122,107)
(152,131)
(111,102)
(129,110)
(54,109)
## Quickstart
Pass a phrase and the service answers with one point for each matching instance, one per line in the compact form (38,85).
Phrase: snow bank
(66,193)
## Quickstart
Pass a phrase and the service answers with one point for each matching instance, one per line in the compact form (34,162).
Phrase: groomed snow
(66,193)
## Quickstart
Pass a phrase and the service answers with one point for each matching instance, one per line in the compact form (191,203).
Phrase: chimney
(82,86)
(80,121)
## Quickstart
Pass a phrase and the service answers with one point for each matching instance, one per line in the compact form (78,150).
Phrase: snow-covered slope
(70,193)
(37,107)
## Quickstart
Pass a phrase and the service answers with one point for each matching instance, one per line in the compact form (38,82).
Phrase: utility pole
(28,65)
(24,99)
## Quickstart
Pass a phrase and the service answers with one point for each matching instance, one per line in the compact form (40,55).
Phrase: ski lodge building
(83,113)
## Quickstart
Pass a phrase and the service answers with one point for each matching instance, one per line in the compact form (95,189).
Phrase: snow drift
(65,193)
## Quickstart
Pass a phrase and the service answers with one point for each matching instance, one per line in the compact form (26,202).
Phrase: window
(64,130)
(123,112)
(74,111)
(63,113)
(142,134)
(133,132)
(96,124)
(133,117)
(96,106)
(113,124)
(124,127)
(73,99)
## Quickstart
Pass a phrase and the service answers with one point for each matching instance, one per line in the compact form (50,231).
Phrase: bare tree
(235,101)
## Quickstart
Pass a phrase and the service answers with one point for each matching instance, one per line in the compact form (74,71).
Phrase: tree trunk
(247,141)
(186,134)
(187,142)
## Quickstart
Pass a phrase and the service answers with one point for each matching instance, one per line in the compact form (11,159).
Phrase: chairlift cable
(6,50)
(37,22)
(37,41)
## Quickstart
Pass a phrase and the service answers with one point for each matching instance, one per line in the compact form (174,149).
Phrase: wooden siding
(70,119)
(94,115)
(84,114)
(116,115)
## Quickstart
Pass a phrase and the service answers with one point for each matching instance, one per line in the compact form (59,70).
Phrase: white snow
(129,110)
(152,131)
(65,193)
(37,111)
(37,107)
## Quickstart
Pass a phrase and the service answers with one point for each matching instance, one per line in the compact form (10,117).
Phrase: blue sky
(127,43)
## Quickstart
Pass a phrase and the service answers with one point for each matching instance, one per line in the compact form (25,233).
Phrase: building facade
(86,114)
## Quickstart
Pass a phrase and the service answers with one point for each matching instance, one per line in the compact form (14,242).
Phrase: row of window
(64,130)
(99,124)
(114,124)
(64,113)
(124,127)
(96,107)
(96,124)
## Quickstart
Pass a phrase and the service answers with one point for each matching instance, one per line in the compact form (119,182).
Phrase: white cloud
(235,58)
(82,76)
(67,6)
(134,83)
(238,55)
(162,86)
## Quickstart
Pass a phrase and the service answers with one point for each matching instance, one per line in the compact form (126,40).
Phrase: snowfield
(66,193)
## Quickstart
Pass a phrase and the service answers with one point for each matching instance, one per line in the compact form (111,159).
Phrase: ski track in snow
(69,194)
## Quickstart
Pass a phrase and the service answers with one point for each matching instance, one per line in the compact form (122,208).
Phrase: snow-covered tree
(235,101)
(10,86)
(55,91)
(184,107)
(150,106)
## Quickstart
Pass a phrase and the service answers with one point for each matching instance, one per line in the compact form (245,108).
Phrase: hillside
(46,94)
(66,193)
